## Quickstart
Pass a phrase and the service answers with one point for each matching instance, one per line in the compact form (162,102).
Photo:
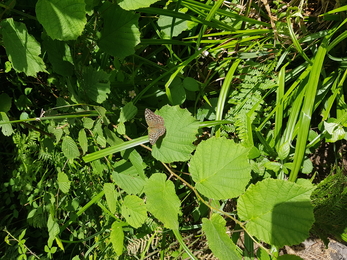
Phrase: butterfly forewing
(156,127)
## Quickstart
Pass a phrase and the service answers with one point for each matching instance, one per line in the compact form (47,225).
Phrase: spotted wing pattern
(156,127)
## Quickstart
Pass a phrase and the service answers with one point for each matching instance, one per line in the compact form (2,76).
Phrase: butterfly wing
(155,133)
(156,127)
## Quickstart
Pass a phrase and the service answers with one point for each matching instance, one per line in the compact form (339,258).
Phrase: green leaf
(310,93)
(83,141)
(88,123)
(262,254)
(277,212)
(70,148)
(330,127)
(127,177)
(220,168)
(111,196)
(8,66)
(101,141)
(102,113)
(22,49)
(134,211)
(111,138)
(23,102)
(58,133)
(253,153)
(120,33)
(132,5)
(284,150)
(170,24)
(5,102)
(136,160)
(59,243)
(22,234)
(63,20)
(121,128)
(117,237)
(6,129)
(98,167)
(97,130)
(128,112)
(53,227)
(177,143)
(96,84)
(218,240)
(131,184)
(335,130)
(273,166)
(162,200)
(307,166)
(59,55)
(178,94)
(190,84)
(63,182)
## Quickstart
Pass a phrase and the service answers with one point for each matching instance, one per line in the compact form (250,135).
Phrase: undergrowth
(246,94)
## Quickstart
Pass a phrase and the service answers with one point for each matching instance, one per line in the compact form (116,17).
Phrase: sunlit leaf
(267,205)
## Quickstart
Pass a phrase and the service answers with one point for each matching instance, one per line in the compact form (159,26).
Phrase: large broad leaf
(59,55)
(135,4)
(120,33)
(277,212)
(220,168)
(127,177)
(162,200)
(22,49)
(177,143)
(134,211)
(62,19)
(219,242)
(95,84)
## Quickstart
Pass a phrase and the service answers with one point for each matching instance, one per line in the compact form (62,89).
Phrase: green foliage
(283,201)
(218,239)
(218,175)
(79,178)
(70,15)
(22,48)
(162,200)
(329,199)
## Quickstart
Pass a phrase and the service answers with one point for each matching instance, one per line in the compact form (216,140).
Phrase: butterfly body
(156,127)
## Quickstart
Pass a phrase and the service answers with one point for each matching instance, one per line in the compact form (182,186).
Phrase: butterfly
(156,127)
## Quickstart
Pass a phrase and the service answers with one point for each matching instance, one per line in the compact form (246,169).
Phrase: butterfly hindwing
(156,127)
